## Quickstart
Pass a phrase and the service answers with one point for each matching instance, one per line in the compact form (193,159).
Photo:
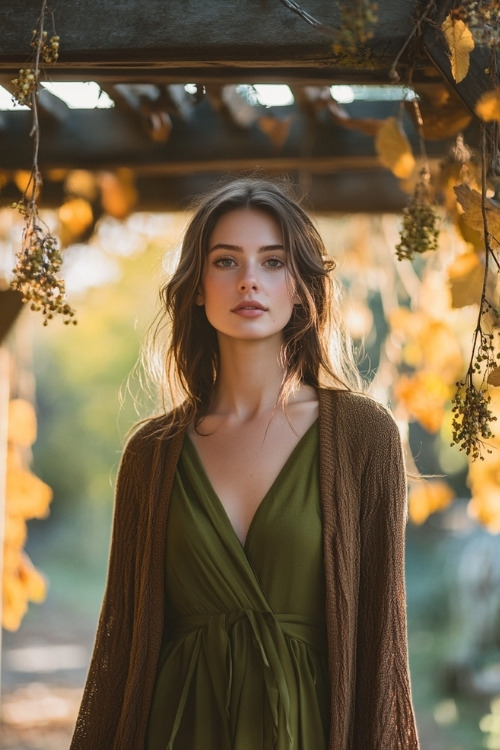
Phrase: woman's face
(246,287)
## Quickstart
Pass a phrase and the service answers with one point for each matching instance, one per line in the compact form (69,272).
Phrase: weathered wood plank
(352,191)
(306,75)
(106,139)
(191,33)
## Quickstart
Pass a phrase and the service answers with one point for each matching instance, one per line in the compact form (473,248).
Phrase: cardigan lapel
(150,578)
(340,507)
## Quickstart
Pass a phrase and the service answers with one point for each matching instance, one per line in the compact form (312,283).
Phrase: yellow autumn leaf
(35,585)
(407,322)
(11,557)
(494,377)
(15,603)
(485,507)
(394,149)
(465,276)
(428,497)
(460,43)
(488,105)
(441,351)
(471,202)
(413,354)
(118,192)
(20,584)
(15,531)
(22,423)
(470,236)
(484,477)
(75,217)
(424,395)
(26,494)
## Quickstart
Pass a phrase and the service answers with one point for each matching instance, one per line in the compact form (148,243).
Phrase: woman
(255,596)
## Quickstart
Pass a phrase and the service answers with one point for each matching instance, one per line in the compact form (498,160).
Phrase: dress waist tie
(268,630)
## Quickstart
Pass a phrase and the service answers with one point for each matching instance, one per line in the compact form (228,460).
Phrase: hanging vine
(420,230)
(471,402)
(36,274)
(469,24)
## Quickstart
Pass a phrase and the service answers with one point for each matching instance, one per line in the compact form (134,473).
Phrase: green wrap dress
(243,665)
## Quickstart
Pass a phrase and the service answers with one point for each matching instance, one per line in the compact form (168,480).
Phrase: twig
(393,73)
(295,8)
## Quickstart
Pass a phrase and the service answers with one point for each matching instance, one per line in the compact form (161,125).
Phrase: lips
(249,305)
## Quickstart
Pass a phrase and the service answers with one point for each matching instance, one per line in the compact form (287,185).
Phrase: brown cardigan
(363,496)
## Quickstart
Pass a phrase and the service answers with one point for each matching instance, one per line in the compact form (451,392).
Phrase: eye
(274,263)
(224,262)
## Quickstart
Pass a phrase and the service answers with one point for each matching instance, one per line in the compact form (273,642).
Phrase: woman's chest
(242,466)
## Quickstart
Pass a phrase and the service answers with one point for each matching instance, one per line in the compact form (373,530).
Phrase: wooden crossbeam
(368,190)
(206,140)
(147,39)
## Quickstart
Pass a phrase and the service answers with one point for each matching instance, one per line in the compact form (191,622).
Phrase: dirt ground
(44,665)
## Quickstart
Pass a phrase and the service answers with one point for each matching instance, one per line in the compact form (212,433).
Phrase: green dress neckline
(191,448)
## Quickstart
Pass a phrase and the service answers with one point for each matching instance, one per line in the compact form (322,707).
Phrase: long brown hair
(314,350)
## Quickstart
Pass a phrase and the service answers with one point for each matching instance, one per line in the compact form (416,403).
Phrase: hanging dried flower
(472,418)
(419,232)
(36,274)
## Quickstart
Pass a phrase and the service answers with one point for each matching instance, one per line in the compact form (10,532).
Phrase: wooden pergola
(175,143)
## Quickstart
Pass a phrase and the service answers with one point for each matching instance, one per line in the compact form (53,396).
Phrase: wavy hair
(182,354)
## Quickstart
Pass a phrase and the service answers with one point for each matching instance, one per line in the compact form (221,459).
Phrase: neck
(249,379)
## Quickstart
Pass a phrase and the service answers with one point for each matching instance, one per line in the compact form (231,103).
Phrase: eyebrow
(238,249)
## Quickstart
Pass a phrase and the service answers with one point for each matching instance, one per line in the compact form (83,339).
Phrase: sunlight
(83,95)
(7,103)
(77,95)
(346,94)
(271,95)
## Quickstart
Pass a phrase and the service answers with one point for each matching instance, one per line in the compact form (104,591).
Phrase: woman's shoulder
(146,433)
(360,411)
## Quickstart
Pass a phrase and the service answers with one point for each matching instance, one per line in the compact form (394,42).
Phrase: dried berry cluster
(49,48)
(24,86)
(356,18)
(487,355)
(472,418)
(26,82)
(419,232)
(482,17)
(36,272)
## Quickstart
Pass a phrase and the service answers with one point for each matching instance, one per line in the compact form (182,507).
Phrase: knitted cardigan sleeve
(104,691)
(384,717)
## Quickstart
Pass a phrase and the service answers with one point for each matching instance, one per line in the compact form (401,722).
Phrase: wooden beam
(205,141)
(322,73)
(370,190)
(196,35)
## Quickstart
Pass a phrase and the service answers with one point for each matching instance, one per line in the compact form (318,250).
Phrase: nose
(247,283)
